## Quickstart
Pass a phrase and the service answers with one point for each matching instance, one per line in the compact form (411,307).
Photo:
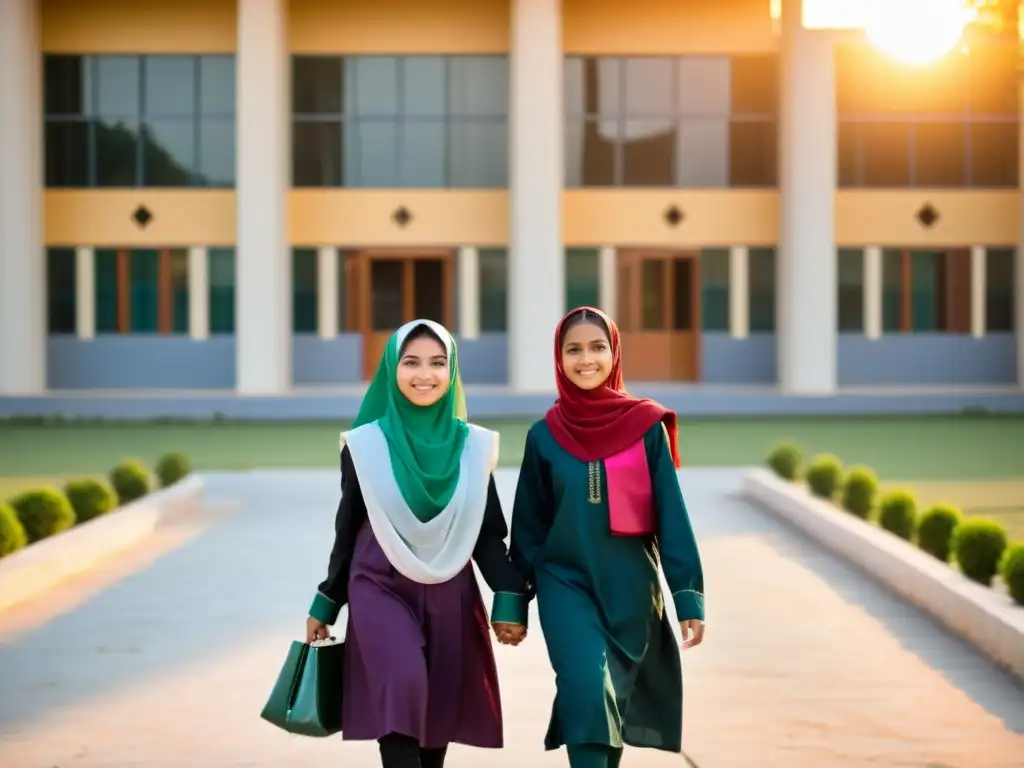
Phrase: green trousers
(594,756)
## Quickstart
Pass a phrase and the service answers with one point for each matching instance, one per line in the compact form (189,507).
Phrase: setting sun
(916,31)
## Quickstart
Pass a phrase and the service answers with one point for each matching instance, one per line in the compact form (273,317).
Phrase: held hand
(509,634)
(316,630)
(692,631)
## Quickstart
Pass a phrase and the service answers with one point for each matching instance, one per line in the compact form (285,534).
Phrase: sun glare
(916,32)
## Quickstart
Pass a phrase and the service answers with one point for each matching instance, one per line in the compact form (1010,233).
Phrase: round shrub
(43,512)
(897,513)
(979,545)
(171,468)
(90,498)
(935,530)
(859,491)
(130,480)
(12,532)
(1011,568)
(825,476)
(786,461)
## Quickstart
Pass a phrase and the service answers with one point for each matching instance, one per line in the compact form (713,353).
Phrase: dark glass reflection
(67,154)
(60,290)
(316,154)
(168,153)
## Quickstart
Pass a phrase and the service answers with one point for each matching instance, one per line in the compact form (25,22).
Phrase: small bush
(897,513)
(1011,568)
(12,532)
(825,476)
(935,530)
(43,512)
(786,461)
(90,498)
(130,480)
(171,468)
(859,491)
(979,545)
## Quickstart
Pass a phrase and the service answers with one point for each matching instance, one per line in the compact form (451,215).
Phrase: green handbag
(306,698)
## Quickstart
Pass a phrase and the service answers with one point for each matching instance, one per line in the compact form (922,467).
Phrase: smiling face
(423,374)
(587,355)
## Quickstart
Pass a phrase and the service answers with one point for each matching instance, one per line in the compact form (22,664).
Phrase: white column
(85,292)
(739,291)
(873,292)
(198,292)
(979,257)
(327,291)
(467,291)
(536,258)
(806,270)
(22,259)
(263,276)
(608,280)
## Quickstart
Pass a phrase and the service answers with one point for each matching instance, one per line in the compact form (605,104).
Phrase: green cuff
(324,609)
(689,604)
(509,608)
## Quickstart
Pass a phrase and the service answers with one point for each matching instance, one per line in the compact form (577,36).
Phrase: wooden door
(394,287)
(659,315)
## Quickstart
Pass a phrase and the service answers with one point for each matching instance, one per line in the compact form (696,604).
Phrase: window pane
(60,290)
(478,153)
(851,290)
(714,268)
(478,86)
(169,86)
(145,291)
(649,85)
(376,86)
(753,152)
(317,85)
(304,293)
(940,154)
(106,291)
(117,87)
(116,154)
(371,154)
(221,272)
(682,286)
(343,288)
(755,85)
(67,155)
(762,289)
(704,86)
(994,153)
(217,85)
(387,294)
(590,153)
(886,158)
(892,291)
(428,289)
(179,290)
(649,153)
(703,152)
(316,154)
(652,296)
(593,87)
(423,86)
(580,277)
(66,88)
(168,152)
(216,152)
(493,290)
(423,160)
(999,293)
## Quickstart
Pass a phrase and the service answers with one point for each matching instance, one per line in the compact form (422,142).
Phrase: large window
(581,277)
(60,290)
(221,274)
(999,283)
(142,291)
(695,121)
(926,291)
(762,290)
(304,290)
(400,121)
(949,124)
(493,305)
(140,121)
(714,270)
(850,301)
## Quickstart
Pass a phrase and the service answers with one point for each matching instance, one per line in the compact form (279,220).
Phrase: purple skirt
(418,657)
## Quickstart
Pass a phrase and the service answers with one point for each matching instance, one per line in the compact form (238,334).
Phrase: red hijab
(594,424)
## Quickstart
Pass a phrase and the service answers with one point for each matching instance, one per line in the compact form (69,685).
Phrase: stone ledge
(985,618)
(39,566)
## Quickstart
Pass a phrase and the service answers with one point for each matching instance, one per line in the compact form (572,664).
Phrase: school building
(250,195)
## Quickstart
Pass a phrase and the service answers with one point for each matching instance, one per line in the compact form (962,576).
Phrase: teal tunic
(616,662)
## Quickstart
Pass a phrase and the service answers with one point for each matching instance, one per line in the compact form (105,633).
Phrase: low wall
(984,617)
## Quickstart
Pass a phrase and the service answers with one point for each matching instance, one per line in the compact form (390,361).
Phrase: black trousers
(400,751)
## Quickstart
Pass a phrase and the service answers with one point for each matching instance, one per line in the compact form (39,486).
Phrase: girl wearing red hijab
(597,506)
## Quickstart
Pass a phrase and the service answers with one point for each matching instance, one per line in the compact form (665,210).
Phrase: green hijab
(425,442)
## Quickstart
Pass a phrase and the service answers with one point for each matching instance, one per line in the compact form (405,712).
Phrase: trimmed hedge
(825,476)
(90,498)
(935,530)
(43,512)
(897,513)
(171,468)
(786,461)
(12,532)
(1011,569)
(979,545)
(859,492)
(131,481)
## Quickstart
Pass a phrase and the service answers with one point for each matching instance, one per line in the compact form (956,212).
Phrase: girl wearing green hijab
(418,504)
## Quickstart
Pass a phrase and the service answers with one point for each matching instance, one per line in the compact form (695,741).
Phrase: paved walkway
(164,657)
